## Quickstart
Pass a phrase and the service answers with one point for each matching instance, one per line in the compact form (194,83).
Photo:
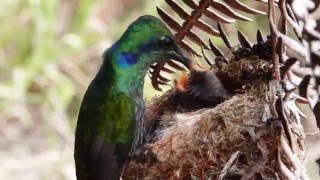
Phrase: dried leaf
(243,40)
(224,36)
(242,7)
(287,65)
(316,111)
(216,51)
(303,87)
(259,36)
(227,10)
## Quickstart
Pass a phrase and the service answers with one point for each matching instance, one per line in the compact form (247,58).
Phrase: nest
(229,141)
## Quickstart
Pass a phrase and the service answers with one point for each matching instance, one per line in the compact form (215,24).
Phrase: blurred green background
(49,52)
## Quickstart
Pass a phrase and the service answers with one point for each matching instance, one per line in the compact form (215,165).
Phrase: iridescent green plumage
(110,122)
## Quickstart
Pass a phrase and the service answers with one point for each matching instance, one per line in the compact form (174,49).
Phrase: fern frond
(217,11)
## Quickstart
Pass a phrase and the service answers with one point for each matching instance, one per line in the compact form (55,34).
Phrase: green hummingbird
(110,124)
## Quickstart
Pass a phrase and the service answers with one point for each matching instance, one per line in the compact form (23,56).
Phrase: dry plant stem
(204,4)
(299,169)
(301,50)
(228,165)
(286,125)
(293,23)
(284,168)
(275,60)
(272,100)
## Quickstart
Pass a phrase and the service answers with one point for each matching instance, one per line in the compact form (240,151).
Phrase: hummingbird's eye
(166,41)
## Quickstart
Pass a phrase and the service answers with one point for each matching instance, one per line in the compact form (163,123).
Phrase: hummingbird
(110,124)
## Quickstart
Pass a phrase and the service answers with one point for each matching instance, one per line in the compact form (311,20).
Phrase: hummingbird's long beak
(180,57)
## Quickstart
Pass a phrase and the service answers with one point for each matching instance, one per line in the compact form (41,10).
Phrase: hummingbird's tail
(100,160)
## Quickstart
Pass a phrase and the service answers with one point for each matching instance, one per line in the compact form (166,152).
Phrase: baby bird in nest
(202,88)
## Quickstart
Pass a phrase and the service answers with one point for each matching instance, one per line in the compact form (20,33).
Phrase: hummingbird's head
(146,41)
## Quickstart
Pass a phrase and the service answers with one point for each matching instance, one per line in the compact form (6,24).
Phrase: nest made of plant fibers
(248,72)
(229,141)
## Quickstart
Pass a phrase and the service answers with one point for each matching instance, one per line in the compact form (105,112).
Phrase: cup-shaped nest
(236,139)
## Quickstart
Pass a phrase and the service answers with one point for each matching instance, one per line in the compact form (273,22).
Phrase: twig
(228,165)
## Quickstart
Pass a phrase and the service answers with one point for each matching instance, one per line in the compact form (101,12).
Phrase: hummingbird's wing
(104,135)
